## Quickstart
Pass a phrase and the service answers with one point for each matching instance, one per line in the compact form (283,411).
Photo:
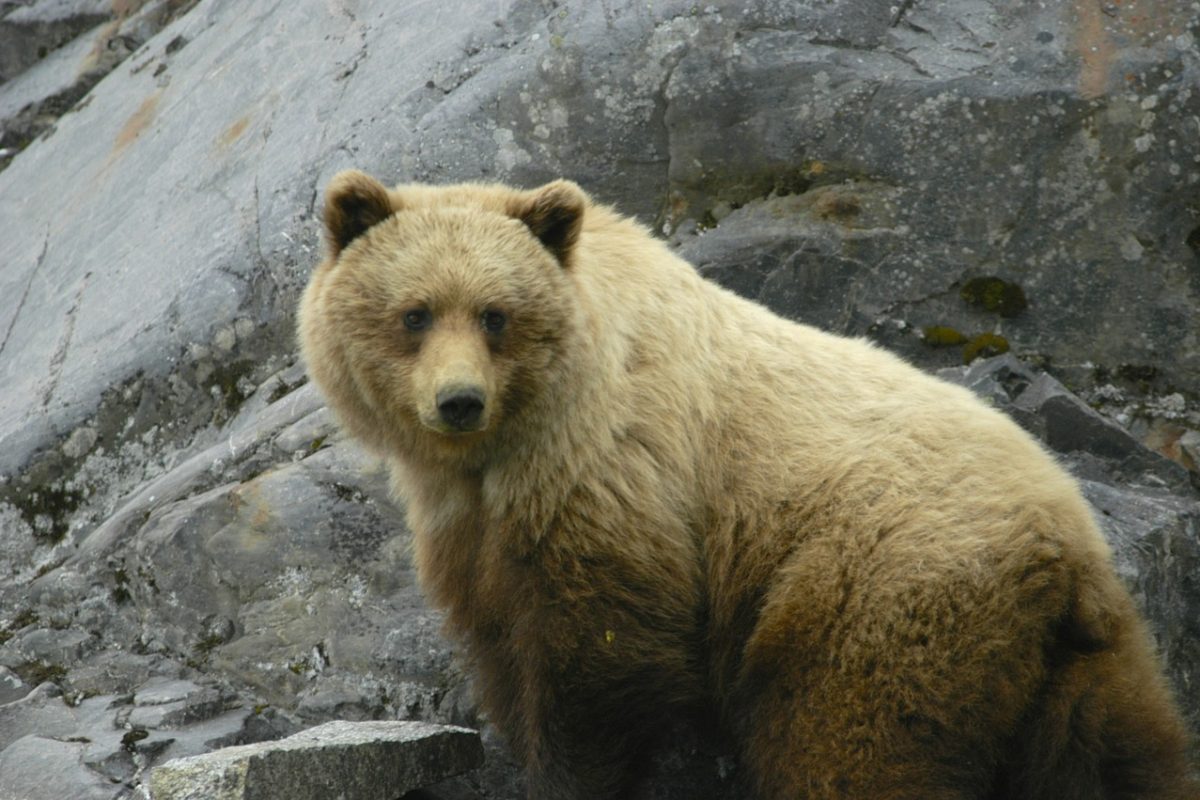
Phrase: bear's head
(439,313)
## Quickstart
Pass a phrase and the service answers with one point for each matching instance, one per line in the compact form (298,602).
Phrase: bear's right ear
(354,201)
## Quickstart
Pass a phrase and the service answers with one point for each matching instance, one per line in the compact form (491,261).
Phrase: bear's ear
(354,201)
(554,214)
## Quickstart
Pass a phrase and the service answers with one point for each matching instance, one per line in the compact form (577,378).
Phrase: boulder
(349,760)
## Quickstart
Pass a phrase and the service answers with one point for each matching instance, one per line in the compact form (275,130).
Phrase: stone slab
(348,760)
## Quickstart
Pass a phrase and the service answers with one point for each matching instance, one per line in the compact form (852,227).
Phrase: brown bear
(636,493)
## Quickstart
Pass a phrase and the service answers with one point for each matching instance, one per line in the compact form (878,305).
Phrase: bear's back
(783,407)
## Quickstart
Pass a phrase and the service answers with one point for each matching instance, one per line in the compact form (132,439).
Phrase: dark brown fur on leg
(930,698)
(586,733)
(574,757)
(1105,726)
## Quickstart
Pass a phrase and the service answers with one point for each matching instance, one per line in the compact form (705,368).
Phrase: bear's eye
(417,319)
(493,321)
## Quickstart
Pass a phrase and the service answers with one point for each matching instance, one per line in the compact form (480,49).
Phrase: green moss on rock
(995,294)
(132,737)
(39,672)
(984,345)
(942,336)
(24,618)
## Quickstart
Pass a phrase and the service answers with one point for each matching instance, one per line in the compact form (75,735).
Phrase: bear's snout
(461,407)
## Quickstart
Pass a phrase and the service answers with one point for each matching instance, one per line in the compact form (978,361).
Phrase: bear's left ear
(554,214)
(354,201)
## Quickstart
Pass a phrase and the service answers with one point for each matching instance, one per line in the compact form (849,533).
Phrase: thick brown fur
(673,498)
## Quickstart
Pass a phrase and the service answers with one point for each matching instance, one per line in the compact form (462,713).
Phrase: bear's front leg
(588,718)
(593,683)
(580,753)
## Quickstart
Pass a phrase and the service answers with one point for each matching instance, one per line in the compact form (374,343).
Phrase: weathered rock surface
(53,52)
(82,745)
(29,31)
(1045,148)
(40,768)
(349,760)
(189,549)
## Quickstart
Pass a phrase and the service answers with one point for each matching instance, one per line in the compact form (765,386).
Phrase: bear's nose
(460,408)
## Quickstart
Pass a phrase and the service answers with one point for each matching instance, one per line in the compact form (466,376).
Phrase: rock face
(52,52)
(192,556)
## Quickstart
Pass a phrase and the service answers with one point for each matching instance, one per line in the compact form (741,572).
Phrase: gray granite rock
(354,761)
(42,768)
(1156,540)
(876,170)
(103,744)
(48,646)
(167,704)
(12,686)
(42,711)
(30,31)
(1067,425)
(59,77)
(113,671)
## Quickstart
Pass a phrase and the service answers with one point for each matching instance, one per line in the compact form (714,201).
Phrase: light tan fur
(677,499)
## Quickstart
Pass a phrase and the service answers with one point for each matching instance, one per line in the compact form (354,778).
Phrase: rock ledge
(349,760)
